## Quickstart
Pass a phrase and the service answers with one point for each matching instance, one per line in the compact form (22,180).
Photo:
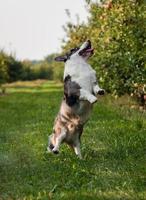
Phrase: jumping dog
(80,91)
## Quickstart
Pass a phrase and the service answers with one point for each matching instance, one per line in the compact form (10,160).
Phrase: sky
(32,29)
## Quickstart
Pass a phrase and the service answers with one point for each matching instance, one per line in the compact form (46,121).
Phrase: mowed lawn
(113,148)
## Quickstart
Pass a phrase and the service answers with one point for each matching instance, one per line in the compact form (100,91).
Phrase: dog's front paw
(101,92)
(92,99)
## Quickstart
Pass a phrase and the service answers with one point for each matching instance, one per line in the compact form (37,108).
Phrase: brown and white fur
(80,90)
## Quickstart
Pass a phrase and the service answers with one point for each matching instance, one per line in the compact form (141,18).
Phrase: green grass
(113,147)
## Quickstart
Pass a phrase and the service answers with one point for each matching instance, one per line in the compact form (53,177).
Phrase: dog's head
(84,52)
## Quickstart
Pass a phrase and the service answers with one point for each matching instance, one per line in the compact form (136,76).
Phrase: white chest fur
(80,72)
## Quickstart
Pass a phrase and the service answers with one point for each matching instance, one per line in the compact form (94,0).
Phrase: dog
(80,93)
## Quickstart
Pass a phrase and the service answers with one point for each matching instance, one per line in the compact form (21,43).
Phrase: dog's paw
(79,156)
(92,99)
(101,92)
(55,151)
(50,147)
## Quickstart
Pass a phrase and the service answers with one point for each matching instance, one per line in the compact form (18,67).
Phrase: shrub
(116,29)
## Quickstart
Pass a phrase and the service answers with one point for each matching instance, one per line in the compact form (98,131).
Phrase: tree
(15,69)
(57,68)
(116,29)
(3,68)
(43,70)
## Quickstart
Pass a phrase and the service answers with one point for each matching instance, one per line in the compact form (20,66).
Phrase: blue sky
(33,29)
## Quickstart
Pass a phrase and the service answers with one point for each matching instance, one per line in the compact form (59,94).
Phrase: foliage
(42,70)
(117,31)
(27,72)
(140,94)
(3,68)
(55,66)
(113,147)
(13,70)
(10,68)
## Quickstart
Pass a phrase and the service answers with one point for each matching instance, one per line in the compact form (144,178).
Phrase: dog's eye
(72,50)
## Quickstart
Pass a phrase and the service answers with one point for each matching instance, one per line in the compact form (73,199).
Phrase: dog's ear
(61,58)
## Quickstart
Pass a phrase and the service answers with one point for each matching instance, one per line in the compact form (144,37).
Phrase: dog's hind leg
(50,145)
(77,150)
(59,139)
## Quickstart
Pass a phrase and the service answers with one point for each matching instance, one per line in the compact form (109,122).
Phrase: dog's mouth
(86,49)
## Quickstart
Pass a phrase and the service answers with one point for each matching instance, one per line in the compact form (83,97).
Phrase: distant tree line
(12,69)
